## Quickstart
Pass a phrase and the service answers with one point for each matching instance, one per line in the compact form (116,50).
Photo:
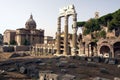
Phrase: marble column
(58,35)
(66,36)
(74,36)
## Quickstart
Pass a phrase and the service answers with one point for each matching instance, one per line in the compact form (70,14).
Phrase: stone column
(83,48)
(112,52)
(66,36)
(96,54)
(88,51)
(58,35)
(74,36)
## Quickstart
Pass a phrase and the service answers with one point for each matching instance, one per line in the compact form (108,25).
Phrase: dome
(30,24)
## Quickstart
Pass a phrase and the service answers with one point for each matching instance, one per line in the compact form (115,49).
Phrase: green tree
(104,20)
(91,26)
(26,42)
(13,42)
(80,24)
(115,23)
(102,34)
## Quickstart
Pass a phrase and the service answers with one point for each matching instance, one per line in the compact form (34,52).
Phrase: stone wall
(14,48)
(6,48)
(21,48)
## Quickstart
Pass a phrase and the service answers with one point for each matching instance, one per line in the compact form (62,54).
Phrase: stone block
(2,71)
(64,70)
(23,70)
(116,78)
(118,66)
(83,58)
(112,61)
(106,60)
(11,69)
(42,64)
(72,65)
(100,78)
(91,64)
(89,59)
(77,57)
(68,77)
(60,65)
(104,70)
(97,59)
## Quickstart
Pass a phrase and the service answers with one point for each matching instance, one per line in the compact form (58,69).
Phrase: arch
(105,51)
(116,49)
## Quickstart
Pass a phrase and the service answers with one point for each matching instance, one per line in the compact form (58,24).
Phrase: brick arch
(108,47)
(116,49)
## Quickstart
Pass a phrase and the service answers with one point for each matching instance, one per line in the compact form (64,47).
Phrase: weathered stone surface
(112,61)
(100,78)
(106,60)
(72,65)
(48,76)
(104,70)
(68,77)
(83,58)
(97,59)
(60,65)
(11,69)
(118,66)
(81,64)
(42,64)
(64,70)
(2,71)
(23,70)
(77,57)
(32,71)
(91,64)
(89,59)
(116,78)
(38,61)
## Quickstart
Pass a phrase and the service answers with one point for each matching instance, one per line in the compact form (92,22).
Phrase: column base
(57,53)
(64,53)
(73,52)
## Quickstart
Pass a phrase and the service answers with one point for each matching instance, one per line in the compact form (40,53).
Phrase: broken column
(74,36)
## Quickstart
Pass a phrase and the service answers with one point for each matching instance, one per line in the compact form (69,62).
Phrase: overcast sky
(14,13)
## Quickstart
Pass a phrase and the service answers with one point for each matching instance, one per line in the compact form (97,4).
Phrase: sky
(15,13)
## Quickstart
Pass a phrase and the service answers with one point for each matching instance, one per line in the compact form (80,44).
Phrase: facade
(9,36)
(25,36)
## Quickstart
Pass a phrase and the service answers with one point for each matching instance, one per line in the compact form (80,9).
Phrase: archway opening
(105,51)
(116,48)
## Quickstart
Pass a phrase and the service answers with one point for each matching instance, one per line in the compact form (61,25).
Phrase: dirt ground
(83,70)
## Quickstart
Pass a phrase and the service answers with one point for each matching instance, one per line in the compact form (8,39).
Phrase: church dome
(30,24)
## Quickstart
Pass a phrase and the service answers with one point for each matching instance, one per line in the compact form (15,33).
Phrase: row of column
(43,50)
(74,36)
